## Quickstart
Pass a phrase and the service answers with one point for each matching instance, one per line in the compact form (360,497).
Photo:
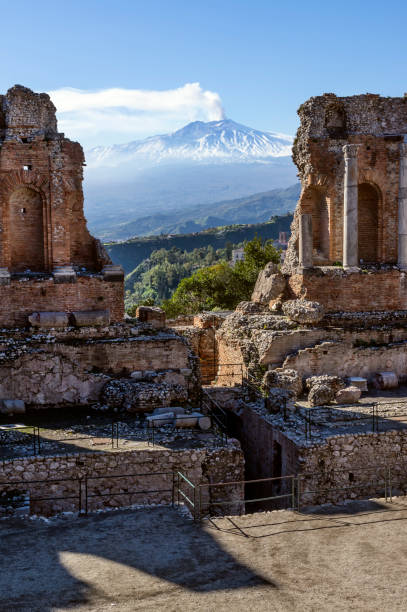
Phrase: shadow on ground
(159,543)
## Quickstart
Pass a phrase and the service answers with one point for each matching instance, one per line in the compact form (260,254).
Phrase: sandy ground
(348,557)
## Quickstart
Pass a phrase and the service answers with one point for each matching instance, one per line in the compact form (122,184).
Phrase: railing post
(298,492)
(80,496)
(390,487)
(86,494)
(173,490)
(293,492)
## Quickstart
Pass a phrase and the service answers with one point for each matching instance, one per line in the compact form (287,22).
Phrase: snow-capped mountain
(212,142)
(199,164)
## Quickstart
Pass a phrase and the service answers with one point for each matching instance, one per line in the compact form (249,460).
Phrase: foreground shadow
(158,542)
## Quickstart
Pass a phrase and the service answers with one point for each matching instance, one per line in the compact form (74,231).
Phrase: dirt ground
(336,558)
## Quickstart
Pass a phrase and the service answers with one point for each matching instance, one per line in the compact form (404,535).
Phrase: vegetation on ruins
(156,278)
(222,286)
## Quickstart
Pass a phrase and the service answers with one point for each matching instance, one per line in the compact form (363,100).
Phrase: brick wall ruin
(351,157)
(45,242)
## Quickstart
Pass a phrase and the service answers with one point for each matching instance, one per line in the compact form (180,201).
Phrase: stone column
(402,256)
(305,241)
(350,208)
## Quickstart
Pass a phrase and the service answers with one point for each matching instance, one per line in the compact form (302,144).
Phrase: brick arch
(15,178)
(26,230)
(314,201)
(11,223)
(369,201)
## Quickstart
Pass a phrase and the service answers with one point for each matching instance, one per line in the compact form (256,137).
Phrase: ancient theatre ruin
(326,332)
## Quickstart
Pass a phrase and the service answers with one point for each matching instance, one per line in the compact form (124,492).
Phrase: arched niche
(26,230)
(368,223)
(314,202)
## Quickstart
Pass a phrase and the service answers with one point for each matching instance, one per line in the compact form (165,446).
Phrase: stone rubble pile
(134,396)
(303,311)
(283,379)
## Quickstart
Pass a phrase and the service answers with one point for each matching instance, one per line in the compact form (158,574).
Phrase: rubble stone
(334,382)
(270,285)
(283,379)
(320,395)
(141,396)
(303,311)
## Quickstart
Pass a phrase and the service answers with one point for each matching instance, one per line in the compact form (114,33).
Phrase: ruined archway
(26,230)
(368,222)
(314,202)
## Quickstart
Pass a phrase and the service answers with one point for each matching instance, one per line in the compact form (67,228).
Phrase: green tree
(221,286)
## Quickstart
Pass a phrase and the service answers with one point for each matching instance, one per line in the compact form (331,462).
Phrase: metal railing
(207,499)
(382,480)
(218,415)
(376,414)
(85,489)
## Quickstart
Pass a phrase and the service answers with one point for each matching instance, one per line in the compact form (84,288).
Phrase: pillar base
(4,276)
(113,273)
(351,268)
(64,274)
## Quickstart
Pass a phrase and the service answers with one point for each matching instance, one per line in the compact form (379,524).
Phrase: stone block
(49,319)
(269,286)
(348,395)
(157,420)
(151,314)
(136,375)
(90,318)
(358,381)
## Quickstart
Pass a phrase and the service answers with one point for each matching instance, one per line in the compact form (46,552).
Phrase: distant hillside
(132,252)
(256,208)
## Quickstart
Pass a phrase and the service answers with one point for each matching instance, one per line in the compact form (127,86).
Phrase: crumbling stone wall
(358,460)
(200,465)
(345,359)
(72,366)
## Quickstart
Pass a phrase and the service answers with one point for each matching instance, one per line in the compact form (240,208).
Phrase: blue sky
(257,60)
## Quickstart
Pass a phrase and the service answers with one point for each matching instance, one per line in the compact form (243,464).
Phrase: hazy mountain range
(164,183)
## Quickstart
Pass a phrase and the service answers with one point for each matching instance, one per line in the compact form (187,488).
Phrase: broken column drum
(350,212)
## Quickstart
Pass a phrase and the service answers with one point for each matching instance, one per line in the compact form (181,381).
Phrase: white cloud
(119,115)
